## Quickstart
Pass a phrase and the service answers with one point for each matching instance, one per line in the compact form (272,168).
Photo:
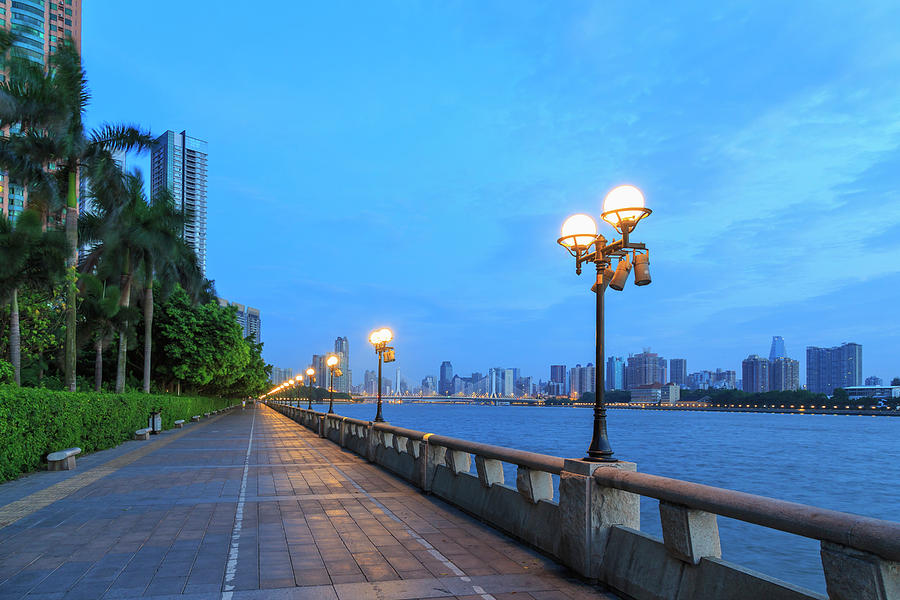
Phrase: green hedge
(35,422)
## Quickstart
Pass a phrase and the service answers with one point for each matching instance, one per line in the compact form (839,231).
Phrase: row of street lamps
(378,338)
(623,208)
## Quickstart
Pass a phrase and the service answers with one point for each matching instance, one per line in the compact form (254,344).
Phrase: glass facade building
(39,26)
(178,163)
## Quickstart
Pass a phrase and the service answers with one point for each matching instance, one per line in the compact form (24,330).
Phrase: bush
(35,422)
(6,372)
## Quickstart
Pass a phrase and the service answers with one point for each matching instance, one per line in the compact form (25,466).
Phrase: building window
(69,22)
(53,28)
(68,11)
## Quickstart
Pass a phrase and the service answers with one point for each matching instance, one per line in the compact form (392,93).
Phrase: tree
(202,346)
(895,381)
(31,257)
(48,146)
(103,316)
(840,395)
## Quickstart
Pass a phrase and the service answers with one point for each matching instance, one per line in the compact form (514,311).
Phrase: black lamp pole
(331,392)
(310,379)
(378,417)
(600,449)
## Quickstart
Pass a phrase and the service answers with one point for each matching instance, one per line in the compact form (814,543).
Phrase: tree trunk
(72,278)
(123,341)
(148,329)
(15,338)
(98,365)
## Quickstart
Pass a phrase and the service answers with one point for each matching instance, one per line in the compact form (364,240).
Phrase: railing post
(371,442)
(852,574)
(534,485)
(689,534)
(491,472)
(432,457)
(343,427)
(588,511)
(322,426)
(458,461)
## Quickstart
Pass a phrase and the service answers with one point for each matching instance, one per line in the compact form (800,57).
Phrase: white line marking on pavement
(431,549)
(231,567)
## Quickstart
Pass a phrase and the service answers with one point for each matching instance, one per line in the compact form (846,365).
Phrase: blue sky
(410,164)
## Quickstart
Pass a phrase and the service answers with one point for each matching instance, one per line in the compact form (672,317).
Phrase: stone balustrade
(593,524)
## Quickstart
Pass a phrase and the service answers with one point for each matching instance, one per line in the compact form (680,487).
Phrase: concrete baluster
(434,457)
(322,426)
(588,511)
(489,471)
(343,426)
(459,462)
(534,485)
(852,574)
(689,534)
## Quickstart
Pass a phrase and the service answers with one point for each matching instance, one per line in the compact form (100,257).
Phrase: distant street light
(623,208)
(299,383)
(380,338)
(310,380)
(332,362)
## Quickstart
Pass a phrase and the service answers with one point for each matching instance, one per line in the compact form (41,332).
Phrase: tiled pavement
(252,506)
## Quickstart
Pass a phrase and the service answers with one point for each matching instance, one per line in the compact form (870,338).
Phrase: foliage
(6,372)
(895,381)
(202,346)
(34,422)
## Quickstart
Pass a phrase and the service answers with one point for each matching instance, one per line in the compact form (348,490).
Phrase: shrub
(6,372)
(35,422)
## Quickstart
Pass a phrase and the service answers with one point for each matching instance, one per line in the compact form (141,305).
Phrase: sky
(409,164)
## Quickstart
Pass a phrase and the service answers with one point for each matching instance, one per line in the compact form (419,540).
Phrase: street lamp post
(380,338)
(298,382)
(623,208)
(310,379)
(332,362)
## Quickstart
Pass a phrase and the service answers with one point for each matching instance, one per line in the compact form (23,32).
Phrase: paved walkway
(251,505)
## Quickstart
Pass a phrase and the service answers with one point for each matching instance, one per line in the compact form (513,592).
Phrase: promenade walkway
(251,505)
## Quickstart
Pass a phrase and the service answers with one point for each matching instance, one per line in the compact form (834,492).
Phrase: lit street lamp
(332,362)
(310,380)
(380,338)
(298,382)
(623,208)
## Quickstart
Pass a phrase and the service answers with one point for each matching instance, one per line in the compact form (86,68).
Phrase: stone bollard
(689,534)
(588,511)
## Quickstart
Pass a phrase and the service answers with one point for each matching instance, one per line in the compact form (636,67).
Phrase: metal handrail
(877,536)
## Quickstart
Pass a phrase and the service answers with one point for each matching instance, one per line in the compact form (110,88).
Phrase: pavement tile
(161,526)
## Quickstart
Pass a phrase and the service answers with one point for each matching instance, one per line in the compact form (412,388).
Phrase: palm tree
(31,257)
(103,317)
(164,257)
(48,147)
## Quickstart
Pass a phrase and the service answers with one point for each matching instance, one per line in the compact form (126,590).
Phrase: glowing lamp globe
(332,360)
(386,335)
(310,371)
(624,203)
(578,231)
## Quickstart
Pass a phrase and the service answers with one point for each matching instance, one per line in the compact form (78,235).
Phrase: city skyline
(447,173)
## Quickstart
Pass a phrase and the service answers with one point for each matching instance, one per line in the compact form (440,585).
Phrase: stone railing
(593,525)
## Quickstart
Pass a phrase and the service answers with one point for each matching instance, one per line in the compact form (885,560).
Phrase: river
(846,463)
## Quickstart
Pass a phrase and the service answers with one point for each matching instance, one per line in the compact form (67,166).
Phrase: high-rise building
(777,348)
(178,163)
(370,382)
(830,368)
(645,368)
(280,375)
(429,386)
(678,371)
(446,378)
(615,373)
(248,318)
(318,363)
(39,28)
(755,371)
(342,350)
(557,383)
(582,379)
(784,374)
